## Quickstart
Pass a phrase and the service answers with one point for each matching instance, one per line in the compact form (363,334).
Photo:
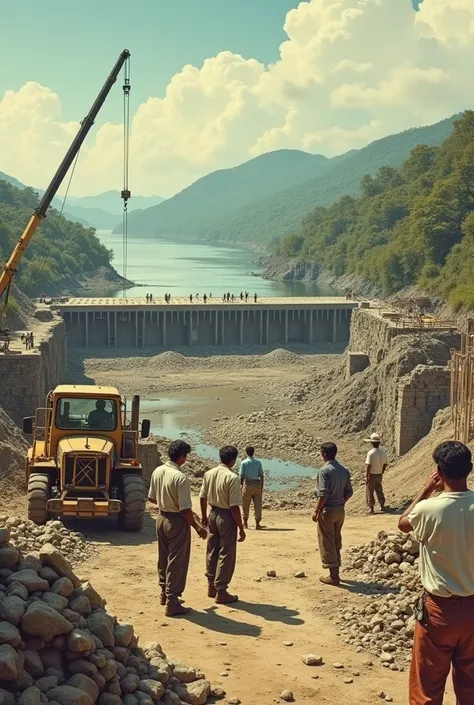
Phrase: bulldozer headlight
(55,505)
(115,505)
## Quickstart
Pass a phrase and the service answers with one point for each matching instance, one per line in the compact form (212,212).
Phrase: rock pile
(388,567)
(59,646)
(28,536)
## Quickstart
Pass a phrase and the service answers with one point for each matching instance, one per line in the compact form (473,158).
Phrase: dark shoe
(331,579)
(211,590)
(371,511)
(382,507)
(176,609)
(225,598)
(258,527)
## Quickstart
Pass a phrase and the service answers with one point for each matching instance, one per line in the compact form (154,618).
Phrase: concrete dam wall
(125,323)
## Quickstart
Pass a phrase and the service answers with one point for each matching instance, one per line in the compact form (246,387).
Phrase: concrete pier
(135,323)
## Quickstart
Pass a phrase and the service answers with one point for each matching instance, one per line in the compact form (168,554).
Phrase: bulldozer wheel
(133,498)
(39,488)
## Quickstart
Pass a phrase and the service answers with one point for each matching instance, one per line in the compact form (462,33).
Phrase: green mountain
(59,251)
(111,202)
(213,197)
(413,225)
(265,198)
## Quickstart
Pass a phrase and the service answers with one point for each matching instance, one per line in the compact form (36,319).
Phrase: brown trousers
(252,493)
(221,548)
(374,486)
(174,551)
(330,525)
(448,639)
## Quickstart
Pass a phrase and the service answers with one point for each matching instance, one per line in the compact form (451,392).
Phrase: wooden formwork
(462,386)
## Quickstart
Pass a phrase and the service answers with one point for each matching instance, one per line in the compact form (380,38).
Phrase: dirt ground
(241,647)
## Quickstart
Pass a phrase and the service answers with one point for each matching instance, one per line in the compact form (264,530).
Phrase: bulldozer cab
(84,455)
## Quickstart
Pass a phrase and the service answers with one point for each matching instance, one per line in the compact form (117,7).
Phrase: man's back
(251,469)
(170,488)
(334,483)
(376,458)
(221,488)
(444,525)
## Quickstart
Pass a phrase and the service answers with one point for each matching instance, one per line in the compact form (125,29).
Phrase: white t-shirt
(444,526)
(376,458)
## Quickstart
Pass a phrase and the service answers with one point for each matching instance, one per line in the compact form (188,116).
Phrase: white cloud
(350,71)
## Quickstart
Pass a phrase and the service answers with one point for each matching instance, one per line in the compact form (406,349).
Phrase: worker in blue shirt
(251,479)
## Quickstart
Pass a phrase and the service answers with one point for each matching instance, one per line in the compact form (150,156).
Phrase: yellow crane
(11,266)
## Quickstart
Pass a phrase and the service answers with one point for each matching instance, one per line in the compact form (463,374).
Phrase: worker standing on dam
(252,480)
(221,490)
(171,492)
(375,464)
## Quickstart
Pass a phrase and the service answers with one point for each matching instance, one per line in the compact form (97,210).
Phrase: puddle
(169,419)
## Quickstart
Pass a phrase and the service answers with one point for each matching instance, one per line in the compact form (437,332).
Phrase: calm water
(166,420)
(178,268)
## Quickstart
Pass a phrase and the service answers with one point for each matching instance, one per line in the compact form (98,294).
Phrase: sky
(215,83)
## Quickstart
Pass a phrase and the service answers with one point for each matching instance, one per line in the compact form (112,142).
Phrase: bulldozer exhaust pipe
(135,413)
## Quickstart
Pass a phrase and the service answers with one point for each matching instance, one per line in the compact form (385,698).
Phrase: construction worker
(171,492)
(221,490)
(334,488)
(444,630)
(375,465)
(252,480)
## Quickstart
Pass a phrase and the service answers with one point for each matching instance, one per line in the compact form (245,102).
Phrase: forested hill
(410,225)
(268,196)
(213,197)
(59,251)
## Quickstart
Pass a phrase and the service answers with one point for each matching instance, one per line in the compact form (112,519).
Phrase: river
(179,268)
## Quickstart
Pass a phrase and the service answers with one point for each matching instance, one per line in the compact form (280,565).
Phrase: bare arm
(434,483)
(190,518)
(367,473)
(237,517)
(203,502)
(319,508)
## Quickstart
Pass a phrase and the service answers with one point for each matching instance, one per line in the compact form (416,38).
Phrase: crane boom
(11,266)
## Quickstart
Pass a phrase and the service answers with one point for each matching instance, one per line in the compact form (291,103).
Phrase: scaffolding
(462,386)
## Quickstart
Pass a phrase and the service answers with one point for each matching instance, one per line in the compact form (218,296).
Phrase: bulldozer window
(86,414)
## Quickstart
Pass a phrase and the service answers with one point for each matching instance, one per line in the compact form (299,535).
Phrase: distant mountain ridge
(267,197)
(111,202)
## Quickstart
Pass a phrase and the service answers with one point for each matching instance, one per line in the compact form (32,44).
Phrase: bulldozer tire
(39,489)
(133,498)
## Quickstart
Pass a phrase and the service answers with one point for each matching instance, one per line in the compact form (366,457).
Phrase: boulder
(79,641)
(80,604)
(9,634)
(152,688)
(10,665)
(30,579)
(186,674)
(63,587)
(109,699)
(92,595)
(12,609)
(68,695)
(4,536)
(30,696)
(47,683)
(50,555)
(42,620)
(48,574)
(129,683)
(6,698)
(102,625)
(193,693)
(57,602)
(86,684)
(9,556)
(33,663)
(123,634)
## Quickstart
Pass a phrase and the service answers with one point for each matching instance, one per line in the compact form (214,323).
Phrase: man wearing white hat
(376,464)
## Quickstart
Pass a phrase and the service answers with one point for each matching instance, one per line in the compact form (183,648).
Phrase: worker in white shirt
(375,464)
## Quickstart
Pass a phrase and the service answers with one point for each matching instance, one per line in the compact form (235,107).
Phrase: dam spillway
(136,322)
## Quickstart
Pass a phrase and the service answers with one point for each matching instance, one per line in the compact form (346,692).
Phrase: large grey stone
(152,688)
(129,683)
(193,693)
(9,634)
(80,604)
(42,620)
(186,674)
(92,595)
(50,555)
(33,663)
(12,609)
(63,587)
(129,699)
(86,684)
(47,683)
(4,536)
(143,698)
(123,634)
(79,641)
(109,699)
(102,625)
(6,698)
(57,602)
(49,574)
(10,663)
(52,658)
(30,579)
(30,696)
(81,665)
(109,670)
(9,556)
(67,695)
(17,589)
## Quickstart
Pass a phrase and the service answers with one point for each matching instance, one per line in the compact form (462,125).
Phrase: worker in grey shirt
(334,488)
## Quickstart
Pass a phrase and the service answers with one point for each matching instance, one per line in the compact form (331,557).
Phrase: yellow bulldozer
(83,461)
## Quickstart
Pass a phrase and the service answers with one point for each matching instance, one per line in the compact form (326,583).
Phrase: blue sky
(70,46)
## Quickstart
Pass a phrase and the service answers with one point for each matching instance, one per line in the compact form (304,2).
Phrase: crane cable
(126,153)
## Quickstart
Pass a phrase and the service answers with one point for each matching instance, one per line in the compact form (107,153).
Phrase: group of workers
(222,495)
(441,518)
(28,340)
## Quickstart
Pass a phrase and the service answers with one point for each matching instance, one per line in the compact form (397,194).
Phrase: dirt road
(241,647)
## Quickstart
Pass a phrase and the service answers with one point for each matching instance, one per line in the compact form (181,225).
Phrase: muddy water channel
(175,417)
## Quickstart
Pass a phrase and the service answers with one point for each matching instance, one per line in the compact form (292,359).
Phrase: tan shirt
(221,488)
(444,526)
(170,488)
